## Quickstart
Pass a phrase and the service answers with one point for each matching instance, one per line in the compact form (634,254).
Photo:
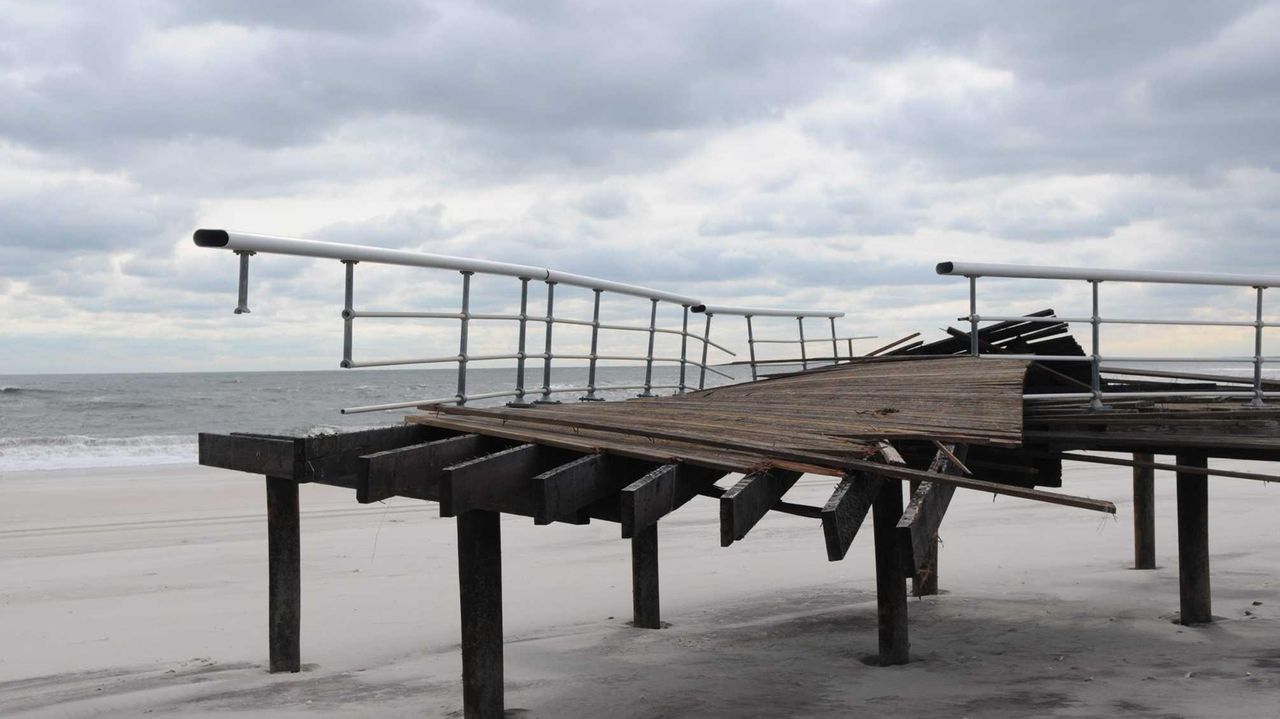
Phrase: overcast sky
(788,153)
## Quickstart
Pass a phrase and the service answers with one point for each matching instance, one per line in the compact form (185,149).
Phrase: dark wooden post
(480,595)
(891,582)
(1193,542)
(1144,513)
(644,578)
(284,575)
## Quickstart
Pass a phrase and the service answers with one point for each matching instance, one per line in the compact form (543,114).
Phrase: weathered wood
(646,609)
(480,599)
(1144,514)
(284,576)
(1146,460)
(563,492)
(258,454)
(501,481)
(891,583)
(660,492)
(1193,543)
(749,500)
(845,511)
(919,524)
(414,471)
(335,458)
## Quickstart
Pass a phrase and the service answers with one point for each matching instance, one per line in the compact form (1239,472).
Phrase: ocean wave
(26,391)
(81,452)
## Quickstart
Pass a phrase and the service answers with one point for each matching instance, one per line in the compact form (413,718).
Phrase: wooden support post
(924,582)
(1193,542)
(891,583)
(284,575)
(480,598)
(644,579)
(1144,513)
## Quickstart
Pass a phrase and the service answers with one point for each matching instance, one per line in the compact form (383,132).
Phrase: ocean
(73,421)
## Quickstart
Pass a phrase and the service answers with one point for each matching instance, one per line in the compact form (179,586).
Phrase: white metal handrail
(801,341)
(246,245)
(1259,283)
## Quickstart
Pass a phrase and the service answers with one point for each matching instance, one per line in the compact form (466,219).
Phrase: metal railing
(246,245)
(1095,277)
(800,340)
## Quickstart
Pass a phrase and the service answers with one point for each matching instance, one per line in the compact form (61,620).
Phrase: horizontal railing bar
(634,328)
(390,362)
(812,340)
(247,242)
(420,402)
(1117,321)
(763,311)
(379,314)
(1109,358)
(1034,272)
(1148,395)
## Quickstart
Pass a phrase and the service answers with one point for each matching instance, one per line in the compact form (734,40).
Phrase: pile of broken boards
(917,415)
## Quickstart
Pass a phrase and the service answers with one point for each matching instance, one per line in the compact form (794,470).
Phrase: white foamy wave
(81,452)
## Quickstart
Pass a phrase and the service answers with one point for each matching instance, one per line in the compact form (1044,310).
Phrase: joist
(920,521)
(500,482)
(270,456)
(414,471)
(335,458)
(743,505)
(660,492)
(564,492)
(844,513)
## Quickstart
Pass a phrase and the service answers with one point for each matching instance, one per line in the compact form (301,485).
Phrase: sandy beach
(142,590)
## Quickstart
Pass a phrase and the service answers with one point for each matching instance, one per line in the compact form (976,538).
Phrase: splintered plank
(919,524)
(414,471)
(844,513)
(749,500)
(661,492)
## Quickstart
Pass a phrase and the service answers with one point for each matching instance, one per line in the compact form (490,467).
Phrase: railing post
(595,340)
(804,357)
(1096,358)
(706,336)
(751,348)
(648,363)
(850,343)
(835,348)
(1258,400)
(348,312)
(242,297)
(974,349)
(520,350)
(462,337)
(684,348)
(546,352)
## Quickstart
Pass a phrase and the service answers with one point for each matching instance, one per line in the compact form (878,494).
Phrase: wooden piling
(1144,512)
(891,581)
(1193,542)
(480,598)
(644,579)
(284,576)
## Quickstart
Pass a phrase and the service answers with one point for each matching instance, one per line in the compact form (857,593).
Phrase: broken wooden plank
(742,506)
(844,513)
(918,526)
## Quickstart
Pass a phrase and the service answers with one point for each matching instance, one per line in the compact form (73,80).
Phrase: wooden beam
(480,599)
(271,456)
(501,481)
(284,576)
(414,471)
(335,458)
(844,513)
(1147,460)
(749,500)
(918,526)
(660,492)
(891,583)
(1193,543)
(563,492)
(645,605)
(1144,514)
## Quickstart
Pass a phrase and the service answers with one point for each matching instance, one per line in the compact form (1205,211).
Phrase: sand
(136,591)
